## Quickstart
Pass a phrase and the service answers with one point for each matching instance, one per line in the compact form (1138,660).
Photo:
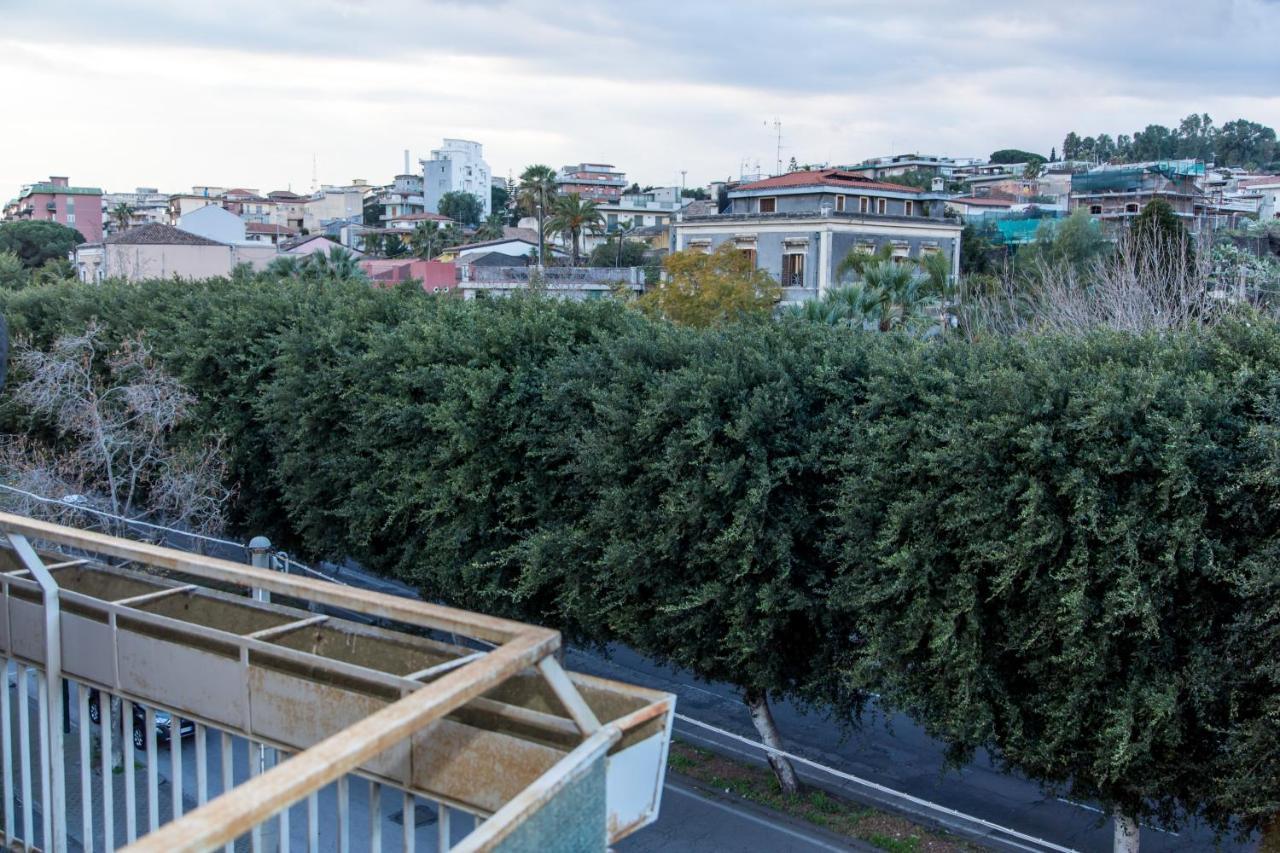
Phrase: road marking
(745,815)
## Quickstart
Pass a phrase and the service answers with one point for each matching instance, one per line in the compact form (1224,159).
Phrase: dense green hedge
(1063,550)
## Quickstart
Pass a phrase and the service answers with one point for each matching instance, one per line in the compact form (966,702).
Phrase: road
(893,752)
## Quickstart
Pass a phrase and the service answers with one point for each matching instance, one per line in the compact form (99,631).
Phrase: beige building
(162,251)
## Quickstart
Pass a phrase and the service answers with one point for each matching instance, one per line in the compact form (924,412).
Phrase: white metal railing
(289,727)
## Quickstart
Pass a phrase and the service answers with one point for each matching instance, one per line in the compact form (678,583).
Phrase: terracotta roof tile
(157,234)
(826,178)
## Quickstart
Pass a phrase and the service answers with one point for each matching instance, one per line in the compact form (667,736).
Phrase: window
(864,204)
(750,255)
(768,205)
(1130,208)
(793,270)
(612,222)
(71,219)
(910,208)
(840,203)
(881,206)
(1095,209)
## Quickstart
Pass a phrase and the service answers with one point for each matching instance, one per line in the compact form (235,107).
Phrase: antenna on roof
(314,180)
(777,128)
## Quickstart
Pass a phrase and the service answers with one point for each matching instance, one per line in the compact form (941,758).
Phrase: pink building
(56,200)
(436,276)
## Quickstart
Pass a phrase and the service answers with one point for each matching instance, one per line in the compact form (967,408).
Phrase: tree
(121,215)
(426,240)
(13,275)
(1246,143)
(1073,244)
(35,242)
(618,252)
(116,417)
(499,200)
(708,289)
(393,246)
(855,261)
(462,207)
(1032,170)
(571,217)
(1058,594)
(697,193)
(978,249)
(1071,147)
(537,189)
(1053,155)
(1014,155)
(373,242)
(337,265)
(493,228)
(1160,235)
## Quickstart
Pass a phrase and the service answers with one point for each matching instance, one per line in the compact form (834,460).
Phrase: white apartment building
(458,165)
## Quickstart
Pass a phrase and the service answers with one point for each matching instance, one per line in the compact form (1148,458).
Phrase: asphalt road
(893,752)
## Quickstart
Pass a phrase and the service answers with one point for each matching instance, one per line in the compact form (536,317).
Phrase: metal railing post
(264,757)
(53,669)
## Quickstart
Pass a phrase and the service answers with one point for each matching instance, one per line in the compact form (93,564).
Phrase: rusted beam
(569,695)
(228,817)
(420,613)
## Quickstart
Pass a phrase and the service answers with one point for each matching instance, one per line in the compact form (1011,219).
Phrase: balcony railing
(317,714)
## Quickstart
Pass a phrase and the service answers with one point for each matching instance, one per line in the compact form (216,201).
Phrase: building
(310,244)
(146,204)
(517,248)
(249,205)
(878,168)
(457,166)
(155,250)
(402,197)
(214,222)
(290,208)
(799,226)
(181,204)
(331,204)
(436,276)
(487,280)
(410,221)
(1116,194)
(969,204)
(599,182)
(55,200)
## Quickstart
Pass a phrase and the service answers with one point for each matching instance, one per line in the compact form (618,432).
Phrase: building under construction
(1118,193)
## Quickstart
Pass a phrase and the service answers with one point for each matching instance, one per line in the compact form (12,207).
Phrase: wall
(136,262)
(214,223)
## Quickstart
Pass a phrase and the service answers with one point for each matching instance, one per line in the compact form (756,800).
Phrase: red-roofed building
(799,226)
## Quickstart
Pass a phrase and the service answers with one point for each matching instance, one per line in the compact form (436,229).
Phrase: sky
(268,94)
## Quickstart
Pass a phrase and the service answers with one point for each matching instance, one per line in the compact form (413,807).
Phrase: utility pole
(777,128)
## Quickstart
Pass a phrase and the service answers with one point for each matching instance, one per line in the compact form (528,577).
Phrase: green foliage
(1061,550)
(571,217)
(462,207)
(1047,540)
(1161,235)
(13,275)
(1236,143)
(711,289)
(978,249)
(618,253)
(1014,155)
(1074,243)
(36,242)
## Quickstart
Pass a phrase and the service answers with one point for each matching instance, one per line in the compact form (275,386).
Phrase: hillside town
(453,224)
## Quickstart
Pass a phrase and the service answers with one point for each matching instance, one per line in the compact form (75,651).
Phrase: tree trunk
(1271,836)
(762,717)
(1127,834)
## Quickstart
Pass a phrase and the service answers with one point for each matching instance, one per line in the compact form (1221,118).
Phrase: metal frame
(560,717)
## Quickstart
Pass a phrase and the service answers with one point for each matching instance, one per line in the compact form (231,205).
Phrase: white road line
(745,815)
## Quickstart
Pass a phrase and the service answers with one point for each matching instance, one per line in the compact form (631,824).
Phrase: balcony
(294,712)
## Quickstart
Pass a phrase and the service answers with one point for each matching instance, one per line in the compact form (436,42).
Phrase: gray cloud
(657,86)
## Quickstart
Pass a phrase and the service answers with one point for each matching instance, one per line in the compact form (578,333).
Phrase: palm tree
(493,228)
(857,260)
(339,265)
(571,216)
(426,240)
(373,242)
(537,184)
(122,215)
(625,229)
(284,266)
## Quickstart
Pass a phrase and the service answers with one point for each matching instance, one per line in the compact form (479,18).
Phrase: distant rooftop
(156,234)
(825,178)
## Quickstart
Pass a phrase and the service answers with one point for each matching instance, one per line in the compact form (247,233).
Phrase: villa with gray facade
(799,226)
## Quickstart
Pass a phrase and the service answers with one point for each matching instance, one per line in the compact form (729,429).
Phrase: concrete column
(824,262)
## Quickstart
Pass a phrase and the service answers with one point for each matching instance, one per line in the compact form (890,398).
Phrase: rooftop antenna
(777,129)
(314,173)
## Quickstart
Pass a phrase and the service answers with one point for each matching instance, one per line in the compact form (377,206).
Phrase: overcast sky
(169,94)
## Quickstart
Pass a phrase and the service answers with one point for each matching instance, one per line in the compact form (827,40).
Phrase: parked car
(164,722)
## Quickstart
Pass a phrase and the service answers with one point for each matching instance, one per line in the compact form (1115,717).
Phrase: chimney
(57,180)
